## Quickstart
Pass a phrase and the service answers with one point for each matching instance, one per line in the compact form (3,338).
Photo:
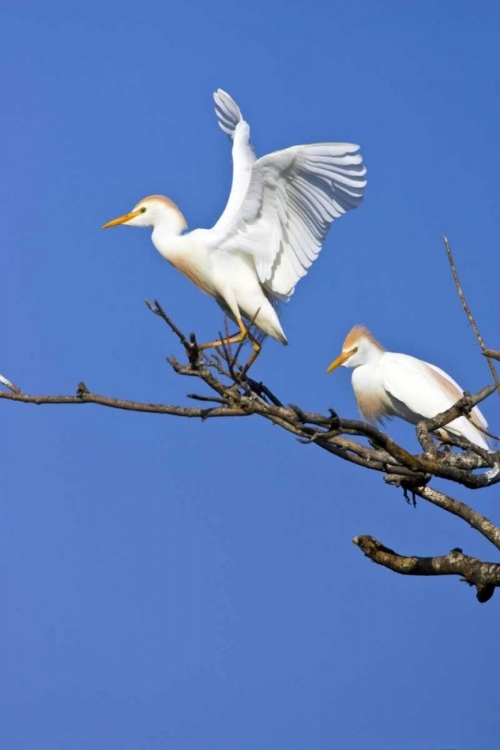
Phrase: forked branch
(230,393)
(485,576)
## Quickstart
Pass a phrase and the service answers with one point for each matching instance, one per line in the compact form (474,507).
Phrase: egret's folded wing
(416,386)
(476,416)
(425,390)
(292,199)
(231,121)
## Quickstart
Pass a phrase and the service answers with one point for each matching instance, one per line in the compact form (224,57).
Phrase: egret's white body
(279,211)
(387,384)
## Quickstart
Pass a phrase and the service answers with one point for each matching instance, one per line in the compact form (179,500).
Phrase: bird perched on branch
(397,385)
(279,211)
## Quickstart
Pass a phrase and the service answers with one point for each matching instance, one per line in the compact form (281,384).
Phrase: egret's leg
(256,351)
(236,338)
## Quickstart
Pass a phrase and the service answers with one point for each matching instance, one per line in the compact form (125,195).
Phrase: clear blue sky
(173,585)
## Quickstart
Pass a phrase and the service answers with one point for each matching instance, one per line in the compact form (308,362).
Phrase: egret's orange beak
(121,220)
(339,361)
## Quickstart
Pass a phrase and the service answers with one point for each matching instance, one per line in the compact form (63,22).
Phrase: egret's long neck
(168,227)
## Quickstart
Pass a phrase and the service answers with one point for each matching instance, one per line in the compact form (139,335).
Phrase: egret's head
(150,212)
(359,348)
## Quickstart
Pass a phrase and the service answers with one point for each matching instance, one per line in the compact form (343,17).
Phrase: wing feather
(232,123)
(423,390)
(227,111)
(476,415)
(292,199)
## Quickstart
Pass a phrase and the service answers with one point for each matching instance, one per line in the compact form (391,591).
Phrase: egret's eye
(143,210)
(354,350)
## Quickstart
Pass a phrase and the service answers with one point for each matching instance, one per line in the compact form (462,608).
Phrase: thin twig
(191,346)
(492,354)
(212,399)
(85,397)
(157,309)
(261,389)
(468,312)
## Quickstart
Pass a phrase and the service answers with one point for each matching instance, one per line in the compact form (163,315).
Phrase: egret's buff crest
(166,202)
(355,335)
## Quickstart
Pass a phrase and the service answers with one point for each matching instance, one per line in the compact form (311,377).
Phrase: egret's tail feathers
(261,328)
(227,111)
(462,426)
(272,324)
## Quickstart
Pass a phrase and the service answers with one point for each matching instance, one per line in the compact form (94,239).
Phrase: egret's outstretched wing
(425,390)
(292,199)
(227,111)
(231,121)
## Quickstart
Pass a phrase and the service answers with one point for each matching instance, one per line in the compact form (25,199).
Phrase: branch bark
(86,397)
(476,520)
(230,394)
(485,576)
(469,313)
(492,354)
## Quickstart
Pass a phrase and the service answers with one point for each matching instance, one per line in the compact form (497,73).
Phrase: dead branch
(462,407)
(241,398)
(469,313)
(457,508)
(492,354)
(485,576)
(231,394)
(85,397)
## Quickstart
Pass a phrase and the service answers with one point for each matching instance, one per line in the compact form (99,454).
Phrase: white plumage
(387,384)
(292,199)
(279,211)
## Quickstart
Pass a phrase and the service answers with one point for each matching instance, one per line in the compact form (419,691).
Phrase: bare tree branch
(233,394)
(468,312)
(191,347)
(475,519)
(333,434)
(485,576)
(462,408)
(492,354)
(86,397)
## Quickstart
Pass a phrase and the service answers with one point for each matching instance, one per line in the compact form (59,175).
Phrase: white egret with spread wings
(279,211)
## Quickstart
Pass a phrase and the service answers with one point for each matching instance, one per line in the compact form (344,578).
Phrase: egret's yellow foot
(236,338)
(256,351)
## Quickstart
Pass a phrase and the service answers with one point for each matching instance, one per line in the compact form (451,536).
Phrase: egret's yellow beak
(121,220)
(339,361)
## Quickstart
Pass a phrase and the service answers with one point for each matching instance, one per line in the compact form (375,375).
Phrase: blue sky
(169,584)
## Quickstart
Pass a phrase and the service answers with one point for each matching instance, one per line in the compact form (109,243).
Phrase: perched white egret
(279,211)
(387,385)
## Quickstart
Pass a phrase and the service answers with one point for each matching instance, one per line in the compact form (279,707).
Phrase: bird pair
(279,211)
